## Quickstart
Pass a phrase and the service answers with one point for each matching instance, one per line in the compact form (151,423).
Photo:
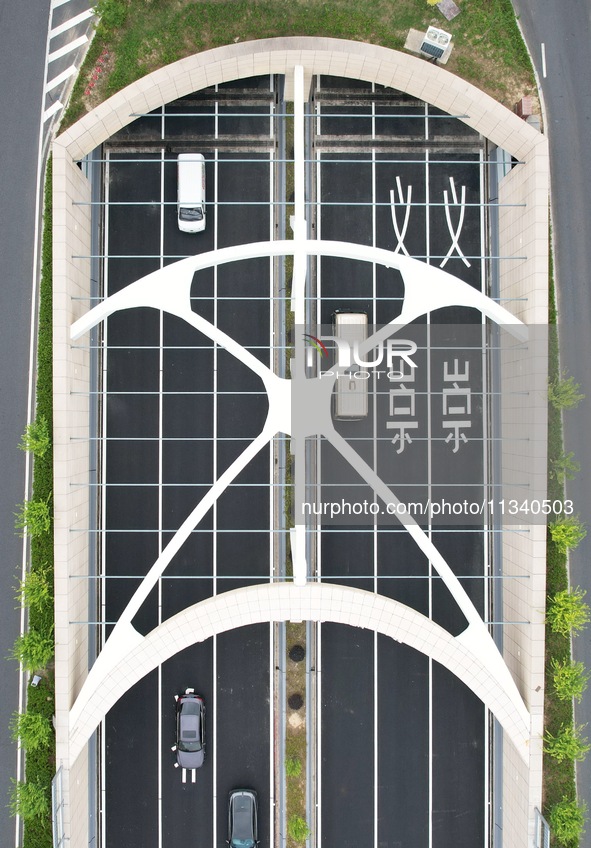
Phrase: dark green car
(243,819)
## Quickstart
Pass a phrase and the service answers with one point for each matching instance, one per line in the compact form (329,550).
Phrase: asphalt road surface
(403,744)
(564,30)
(178,412)
(23,34)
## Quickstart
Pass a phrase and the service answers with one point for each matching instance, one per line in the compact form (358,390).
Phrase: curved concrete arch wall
(332,56)
(286,602)
(523,239)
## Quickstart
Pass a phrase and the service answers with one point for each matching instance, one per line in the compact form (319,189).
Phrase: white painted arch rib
(427,288)
(168,289)
(314,602)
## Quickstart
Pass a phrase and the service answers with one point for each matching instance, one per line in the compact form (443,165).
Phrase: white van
(191,192)
(351,395)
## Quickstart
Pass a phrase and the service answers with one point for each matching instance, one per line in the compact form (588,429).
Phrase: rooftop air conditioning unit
(435,42)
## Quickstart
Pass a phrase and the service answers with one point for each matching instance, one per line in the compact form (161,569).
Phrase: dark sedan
(190,730)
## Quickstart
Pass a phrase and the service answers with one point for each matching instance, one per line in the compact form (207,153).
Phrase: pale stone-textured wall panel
(71,280)
(523,231)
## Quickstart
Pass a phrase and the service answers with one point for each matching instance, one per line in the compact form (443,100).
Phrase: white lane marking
(376,764)
(454,233)
(271,497)
(72,22)
(271,111)
(160,481)
(103,494)
(319,840)
(56,3)
(543,59)
(183,775)
(486,567)
(193,776)
(318,540)
(67,48)
(214,462)
(216,117)
(60,78)
(55,107)
(400,233)
(429,529)
(271,725)
(318,114)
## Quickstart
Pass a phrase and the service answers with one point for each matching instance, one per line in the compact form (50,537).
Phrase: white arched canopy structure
(83,698)
(125,658)
(426,288)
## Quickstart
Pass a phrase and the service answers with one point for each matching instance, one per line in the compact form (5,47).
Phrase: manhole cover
(297,653)
(295,701)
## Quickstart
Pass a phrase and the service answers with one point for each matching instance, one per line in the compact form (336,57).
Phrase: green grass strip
(143,36)
(40,763)
(559,777)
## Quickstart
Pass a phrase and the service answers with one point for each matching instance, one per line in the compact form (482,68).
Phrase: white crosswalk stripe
(67,48)
(60,78)
(55,107)
(72,22)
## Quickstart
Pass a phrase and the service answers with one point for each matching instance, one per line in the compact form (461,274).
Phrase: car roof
(243,803)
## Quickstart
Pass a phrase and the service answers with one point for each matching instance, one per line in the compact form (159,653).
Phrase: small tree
(33,650)
(293,767)
(36,437)
(297,829)
(28,800)
(564,467)
(568,744)
(567,532)
(33,518)
(35,590)
(567,821)
(32,730)
(569,679)
(112,13)
(563,392)
(567,611)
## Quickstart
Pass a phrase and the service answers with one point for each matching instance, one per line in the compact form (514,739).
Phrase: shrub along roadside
(31,798)
(560,806)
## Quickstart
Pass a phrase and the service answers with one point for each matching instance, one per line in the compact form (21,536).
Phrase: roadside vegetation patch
(31,797)
(295,735)
(135,37)
(567,611)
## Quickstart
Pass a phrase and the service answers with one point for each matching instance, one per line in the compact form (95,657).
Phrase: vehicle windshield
(243,843)
(187,746)
(190,214)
